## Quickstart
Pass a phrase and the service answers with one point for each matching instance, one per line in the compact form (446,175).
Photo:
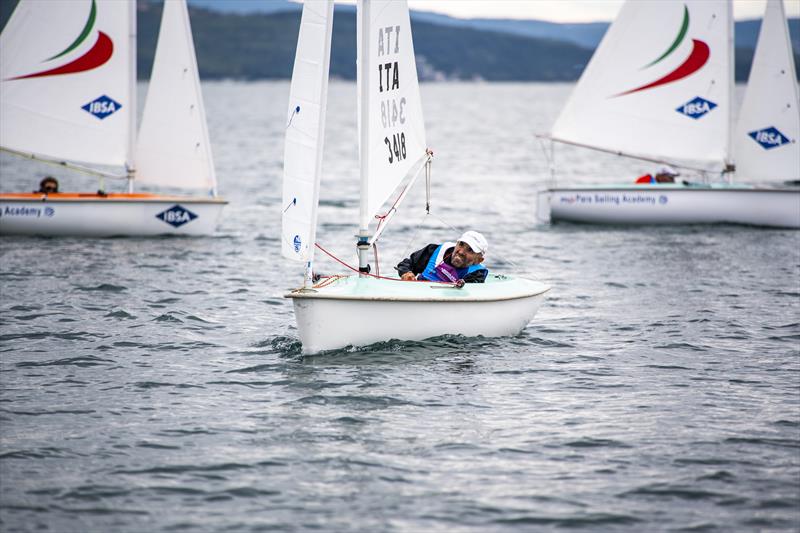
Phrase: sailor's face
(463,256)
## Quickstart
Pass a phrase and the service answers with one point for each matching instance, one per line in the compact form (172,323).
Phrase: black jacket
(419,260)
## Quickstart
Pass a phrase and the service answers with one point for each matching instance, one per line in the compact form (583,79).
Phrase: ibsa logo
(297,241)
(663,199)
(567,199)
(696,107)
(769,138)
(102,107)
(176,216)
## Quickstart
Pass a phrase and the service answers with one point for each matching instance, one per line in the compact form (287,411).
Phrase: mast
(363,62)
(323,104)
(129,162)
(729,155)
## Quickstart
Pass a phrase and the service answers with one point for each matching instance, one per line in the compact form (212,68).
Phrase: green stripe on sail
(82,37)
(678,39)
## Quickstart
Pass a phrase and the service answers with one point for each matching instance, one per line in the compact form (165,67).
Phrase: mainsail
(658,86)
(173,147)
(391,126)
(767,140)
(81,48)
(305,131)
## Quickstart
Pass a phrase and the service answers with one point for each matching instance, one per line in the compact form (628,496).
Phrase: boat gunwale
(305,294)
(695,188)
(117,198)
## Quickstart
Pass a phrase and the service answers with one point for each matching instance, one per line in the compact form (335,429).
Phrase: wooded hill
(261,46)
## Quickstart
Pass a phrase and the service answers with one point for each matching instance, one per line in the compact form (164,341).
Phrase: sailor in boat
(48,185)
(459,262)
(665,174)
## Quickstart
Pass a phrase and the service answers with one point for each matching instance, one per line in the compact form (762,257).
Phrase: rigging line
(458,230)
(71,166)
(414,237)
(329,254)
(634,156)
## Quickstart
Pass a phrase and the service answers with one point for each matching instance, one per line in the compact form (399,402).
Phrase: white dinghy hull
(675,204)
(355,311)
(110,216)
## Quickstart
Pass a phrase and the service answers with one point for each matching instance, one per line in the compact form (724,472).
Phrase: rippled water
(157,384)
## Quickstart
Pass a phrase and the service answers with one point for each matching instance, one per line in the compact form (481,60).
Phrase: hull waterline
(674,204)
(360,312)
(92,215)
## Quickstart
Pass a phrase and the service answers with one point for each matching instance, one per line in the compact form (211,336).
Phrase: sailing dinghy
(660,88)
(365,308)
(68,96)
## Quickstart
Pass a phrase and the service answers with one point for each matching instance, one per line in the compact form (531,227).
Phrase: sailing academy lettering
(23,211)
(607,199)
(392,104)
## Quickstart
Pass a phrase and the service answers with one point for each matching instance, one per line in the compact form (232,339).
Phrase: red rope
(373,275)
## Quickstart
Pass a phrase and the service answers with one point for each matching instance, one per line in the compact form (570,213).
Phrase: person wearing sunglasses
(48,185)
(454,262)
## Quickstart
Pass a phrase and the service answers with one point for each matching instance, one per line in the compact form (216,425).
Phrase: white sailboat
(660,88)
(68,96)
(363,309)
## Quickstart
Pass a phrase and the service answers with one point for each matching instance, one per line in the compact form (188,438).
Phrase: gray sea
(157,384)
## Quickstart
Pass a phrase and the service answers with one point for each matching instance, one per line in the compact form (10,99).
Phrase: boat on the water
(365,308)
(68,97)
(659,88)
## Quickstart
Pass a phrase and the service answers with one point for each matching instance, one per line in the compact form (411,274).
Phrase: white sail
(767,139)
(659,84)
(305,131)
(65,85)
(173,148)
(393,128)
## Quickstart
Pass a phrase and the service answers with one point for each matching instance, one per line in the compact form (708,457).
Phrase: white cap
(668,170)
(476,241)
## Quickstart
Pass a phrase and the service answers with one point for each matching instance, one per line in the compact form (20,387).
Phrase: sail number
(393,112)
(396,146)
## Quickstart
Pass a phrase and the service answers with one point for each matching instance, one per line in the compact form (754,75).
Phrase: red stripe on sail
(101,52)
(695,61)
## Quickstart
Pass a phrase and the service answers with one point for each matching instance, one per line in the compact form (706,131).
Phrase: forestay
(767,134)
(659,85)
(393,128)
(82,48)
(173,148)
(305,131)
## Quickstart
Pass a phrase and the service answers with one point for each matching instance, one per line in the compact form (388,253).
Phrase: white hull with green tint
(353,311)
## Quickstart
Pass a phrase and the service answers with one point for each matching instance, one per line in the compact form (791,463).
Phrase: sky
(567,10)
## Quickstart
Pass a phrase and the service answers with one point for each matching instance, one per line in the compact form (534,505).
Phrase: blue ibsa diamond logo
(769,138)
(297,242)
(696,107)
(176,216)
(102,107)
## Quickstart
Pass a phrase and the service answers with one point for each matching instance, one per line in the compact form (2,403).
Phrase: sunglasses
(467,246)
(50,188)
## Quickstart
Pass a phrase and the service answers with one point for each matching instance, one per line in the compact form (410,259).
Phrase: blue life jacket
(430,273)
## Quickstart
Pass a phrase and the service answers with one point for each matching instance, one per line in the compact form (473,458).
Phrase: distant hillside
(259,45)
